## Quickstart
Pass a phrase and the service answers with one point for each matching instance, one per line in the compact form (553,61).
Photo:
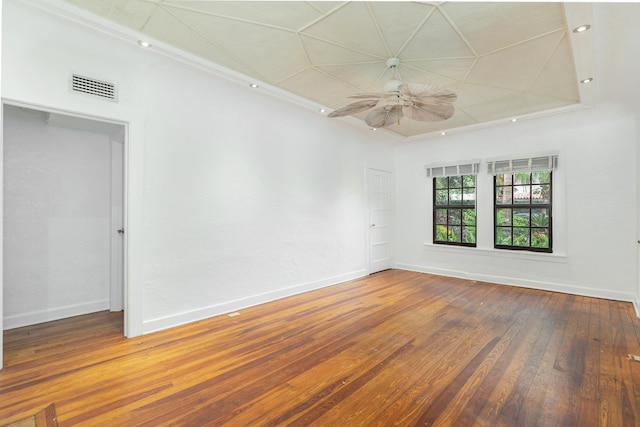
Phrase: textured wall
(246,197)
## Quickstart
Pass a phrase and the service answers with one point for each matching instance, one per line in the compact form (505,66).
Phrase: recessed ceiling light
(374,128)
(253,85)
(514,120)
(590,79)
(144,43)
(582,28)
(322,110)
(443,133)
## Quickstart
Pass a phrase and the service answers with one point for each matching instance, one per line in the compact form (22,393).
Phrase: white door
(117,227)
(380,220)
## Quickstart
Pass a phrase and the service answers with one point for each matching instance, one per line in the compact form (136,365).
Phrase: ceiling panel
(557,77)
(163,25)
(414,75)
(436,39)
(130,13)
(501,58)
(516,104)
(515,67)
(454,68)
(325,53)
(351,26)
(319,86)
(397,24)
(491,26)
(364,77)
(459,119)
(298,14)
(270,52)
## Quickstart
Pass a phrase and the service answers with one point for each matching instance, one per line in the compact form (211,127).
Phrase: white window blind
(530,164)
(467,168)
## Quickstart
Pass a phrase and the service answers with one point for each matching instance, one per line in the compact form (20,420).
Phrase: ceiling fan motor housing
(392,86)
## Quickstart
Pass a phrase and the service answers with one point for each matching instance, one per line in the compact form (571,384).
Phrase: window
(522,210)
(454,210)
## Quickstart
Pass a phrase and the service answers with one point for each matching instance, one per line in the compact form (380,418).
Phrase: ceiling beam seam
(304,49)
(473,64)
(468,114)
(546,62)
(530,39)
(372,55)
(376,24)
(328,74)
(513,91)
(223,49)
(322,17)
(290,76)
(455,28)
(412,36)
(229,18)
(338,64)
(142,27)
(430,73)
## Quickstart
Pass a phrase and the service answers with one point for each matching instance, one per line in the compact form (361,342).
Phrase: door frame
(133,173)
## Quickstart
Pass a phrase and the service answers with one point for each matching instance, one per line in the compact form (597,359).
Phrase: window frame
(460,207)
(529,206)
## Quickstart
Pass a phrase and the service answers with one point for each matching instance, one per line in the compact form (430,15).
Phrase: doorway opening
(64,204)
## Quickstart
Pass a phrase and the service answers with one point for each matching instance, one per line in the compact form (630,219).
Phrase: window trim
(530,206)
(461,207)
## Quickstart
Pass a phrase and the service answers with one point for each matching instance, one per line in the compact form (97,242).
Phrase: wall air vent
(93,87)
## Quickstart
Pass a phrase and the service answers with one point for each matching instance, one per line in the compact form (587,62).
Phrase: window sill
(502,253)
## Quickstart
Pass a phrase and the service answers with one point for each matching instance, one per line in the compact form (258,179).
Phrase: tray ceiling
(503,60)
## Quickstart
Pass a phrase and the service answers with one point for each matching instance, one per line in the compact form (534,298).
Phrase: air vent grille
(94,87)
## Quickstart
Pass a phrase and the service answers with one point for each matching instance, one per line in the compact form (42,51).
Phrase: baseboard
(159,324)
(636,306)
(525,283)
(41,316)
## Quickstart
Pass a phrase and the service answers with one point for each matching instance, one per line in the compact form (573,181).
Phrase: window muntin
(522,206)
(454,210)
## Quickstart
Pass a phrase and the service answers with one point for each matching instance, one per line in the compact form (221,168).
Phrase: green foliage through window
(523,211)
(454,210)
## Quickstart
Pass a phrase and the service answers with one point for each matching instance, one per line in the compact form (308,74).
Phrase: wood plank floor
(395,348)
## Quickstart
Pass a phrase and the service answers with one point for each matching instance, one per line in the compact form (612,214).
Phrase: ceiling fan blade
(354,108)
(428,113)
(384,116)
(419,91)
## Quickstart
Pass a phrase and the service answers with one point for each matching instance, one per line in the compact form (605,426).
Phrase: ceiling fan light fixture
(392,86)
(581,28)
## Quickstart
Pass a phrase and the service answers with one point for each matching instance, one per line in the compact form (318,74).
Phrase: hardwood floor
(395,348)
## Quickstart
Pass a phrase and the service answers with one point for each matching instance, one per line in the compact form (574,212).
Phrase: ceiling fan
(416,101)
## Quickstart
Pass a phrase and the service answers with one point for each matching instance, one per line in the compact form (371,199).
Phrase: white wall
(1,180)
(617,69)
(246,198)
(57,207)
(594,204)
